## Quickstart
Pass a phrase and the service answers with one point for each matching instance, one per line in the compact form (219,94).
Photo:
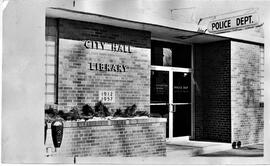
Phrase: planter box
(103,138)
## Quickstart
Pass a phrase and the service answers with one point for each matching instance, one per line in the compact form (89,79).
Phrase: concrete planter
(118,137)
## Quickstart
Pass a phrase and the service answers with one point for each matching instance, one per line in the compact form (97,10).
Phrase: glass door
(171,99)
(181,104)
(160,96)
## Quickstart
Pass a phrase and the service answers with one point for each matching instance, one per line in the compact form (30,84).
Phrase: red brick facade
(132,137)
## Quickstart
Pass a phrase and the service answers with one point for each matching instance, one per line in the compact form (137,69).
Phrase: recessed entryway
(171,86)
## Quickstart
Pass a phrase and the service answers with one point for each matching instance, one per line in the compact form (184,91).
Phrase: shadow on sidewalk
(247,151)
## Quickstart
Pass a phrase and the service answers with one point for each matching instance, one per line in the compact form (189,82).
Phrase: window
(170,54)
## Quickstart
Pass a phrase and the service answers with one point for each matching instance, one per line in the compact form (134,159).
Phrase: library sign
(233,23)
(115,47)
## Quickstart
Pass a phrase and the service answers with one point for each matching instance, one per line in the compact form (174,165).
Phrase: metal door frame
(171,70)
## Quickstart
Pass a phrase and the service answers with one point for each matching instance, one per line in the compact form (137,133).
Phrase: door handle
(174,108)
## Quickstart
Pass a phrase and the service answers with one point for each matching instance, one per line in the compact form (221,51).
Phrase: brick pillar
(247,115)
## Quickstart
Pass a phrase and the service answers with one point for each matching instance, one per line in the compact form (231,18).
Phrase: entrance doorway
(171,99)
(171,94)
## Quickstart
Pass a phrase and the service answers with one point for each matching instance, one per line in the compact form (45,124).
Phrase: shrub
(130,111)
(74,114)
(87,110)
(101,110)
(118,113)
(142,113)
(52,114)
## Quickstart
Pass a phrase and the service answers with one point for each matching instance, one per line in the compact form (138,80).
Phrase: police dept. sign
(233,23)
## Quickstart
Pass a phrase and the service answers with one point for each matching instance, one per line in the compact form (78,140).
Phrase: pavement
(183,147)
(246,151)
(183,151)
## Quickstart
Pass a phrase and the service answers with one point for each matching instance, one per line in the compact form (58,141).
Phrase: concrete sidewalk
(183,151)
(246,151)
(183,147)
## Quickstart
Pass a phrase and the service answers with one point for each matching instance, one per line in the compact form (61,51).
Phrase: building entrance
(171,99)
(171,86)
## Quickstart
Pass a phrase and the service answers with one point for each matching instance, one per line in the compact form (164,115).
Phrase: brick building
(209,87)
(208,90)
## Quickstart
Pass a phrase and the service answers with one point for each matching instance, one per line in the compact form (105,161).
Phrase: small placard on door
(107,96)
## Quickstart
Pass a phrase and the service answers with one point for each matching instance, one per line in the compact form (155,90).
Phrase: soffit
(157,31)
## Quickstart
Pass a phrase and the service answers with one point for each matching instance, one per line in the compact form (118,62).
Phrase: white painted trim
(158,103)
(168,68)
(192,95)
(181,103)
(170,104)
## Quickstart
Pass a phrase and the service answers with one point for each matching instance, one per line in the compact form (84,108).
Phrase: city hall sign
(99,45)
(233,23)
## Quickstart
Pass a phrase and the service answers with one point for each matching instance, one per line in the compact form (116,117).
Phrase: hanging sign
(233,23)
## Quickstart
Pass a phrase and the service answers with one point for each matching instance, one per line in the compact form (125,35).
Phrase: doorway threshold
(182,138)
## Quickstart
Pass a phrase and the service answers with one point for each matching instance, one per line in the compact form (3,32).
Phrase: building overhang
(159,32)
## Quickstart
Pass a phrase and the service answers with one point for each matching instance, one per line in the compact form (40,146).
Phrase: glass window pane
(167,56)
(181,87)
(156,56)
(182,56)
(159,86)
(182,120)
(161,111)
(170,54)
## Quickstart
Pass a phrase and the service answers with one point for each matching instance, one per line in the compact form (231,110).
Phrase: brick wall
(78,85)
(212,92)
(132,137)
(246,89)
